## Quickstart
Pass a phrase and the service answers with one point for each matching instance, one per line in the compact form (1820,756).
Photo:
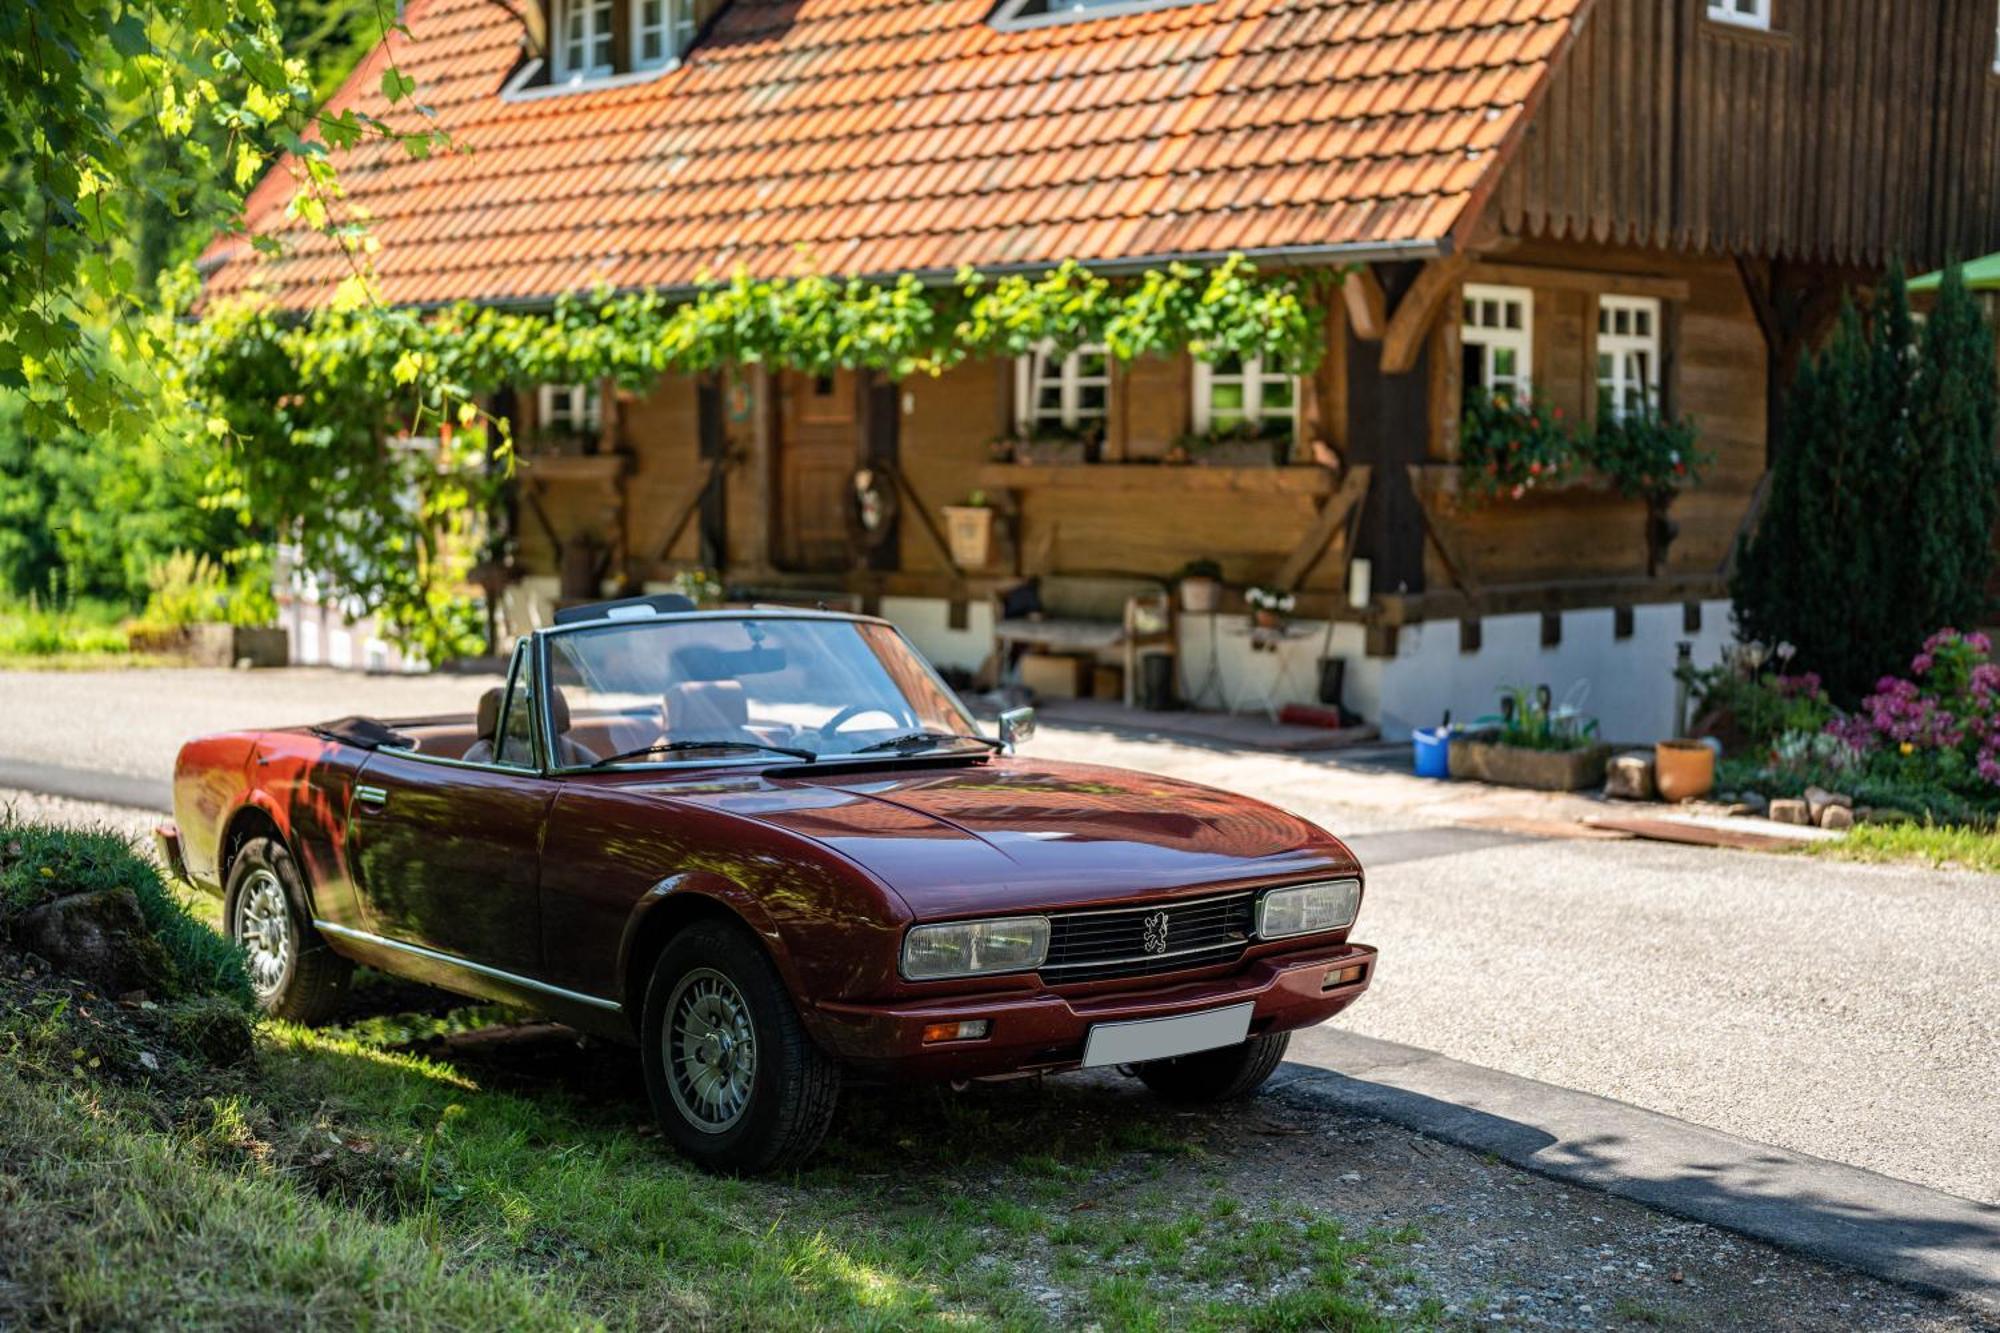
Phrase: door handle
(372,798)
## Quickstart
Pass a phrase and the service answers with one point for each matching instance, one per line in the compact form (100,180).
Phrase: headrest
(558,709)
(705,709)
(489,712)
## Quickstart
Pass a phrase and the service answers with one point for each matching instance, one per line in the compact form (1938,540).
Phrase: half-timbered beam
(1404,338)
(1334,517)
(1367,307)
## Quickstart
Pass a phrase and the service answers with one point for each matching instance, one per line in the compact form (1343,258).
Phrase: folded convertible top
(366,732)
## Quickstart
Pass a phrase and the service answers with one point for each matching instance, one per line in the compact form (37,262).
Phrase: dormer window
(661,31)
(583,40)
(1014,14)
(604,43)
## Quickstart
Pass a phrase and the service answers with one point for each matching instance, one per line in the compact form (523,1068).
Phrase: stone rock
(1754,803)
(1818,799)
(1629,776)
(99,938)
(1788,810)
(1839,818)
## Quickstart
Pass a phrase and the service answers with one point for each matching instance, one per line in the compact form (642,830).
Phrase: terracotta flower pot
(1683,770)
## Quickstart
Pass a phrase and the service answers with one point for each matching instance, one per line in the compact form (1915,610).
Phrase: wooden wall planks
(1857,132)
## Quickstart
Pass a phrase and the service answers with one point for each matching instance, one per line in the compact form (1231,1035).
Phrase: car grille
(1126,941)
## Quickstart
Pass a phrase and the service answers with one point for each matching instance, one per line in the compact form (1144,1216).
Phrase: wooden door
(819,446)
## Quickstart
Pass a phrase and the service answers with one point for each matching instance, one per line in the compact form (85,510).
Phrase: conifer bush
(1879,525)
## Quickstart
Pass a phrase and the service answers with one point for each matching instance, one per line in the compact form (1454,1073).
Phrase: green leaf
(128,37)
(397,85)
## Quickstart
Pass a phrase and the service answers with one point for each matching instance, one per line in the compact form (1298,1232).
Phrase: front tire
(1221,1075)
(292,972)
(735,1080)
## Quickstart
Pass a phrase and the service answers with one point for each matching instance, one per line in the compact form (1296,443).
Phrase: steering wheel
(831,727)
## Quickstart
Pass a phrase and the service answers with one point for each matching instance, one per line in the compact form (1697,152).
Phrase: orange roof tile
(902,135)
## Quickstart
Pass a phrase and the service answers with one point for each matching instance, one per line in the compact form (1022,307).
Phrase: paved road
(1850,1012)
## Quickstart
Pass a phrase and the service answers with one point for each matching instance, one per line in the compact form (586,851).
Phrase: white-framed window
(1064,390)
(569,409)
(340,647)
(1497,338)
(1245,393)
(582,40)
(662,31)
(1742,13)
(1628,354)
(309,638)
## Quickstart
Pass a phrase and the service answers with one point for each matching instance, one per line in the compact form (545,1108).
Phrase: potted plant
(1271,607)
(1535,744)
(1201,587)
(969,531)
(1647,457)
(1508,447)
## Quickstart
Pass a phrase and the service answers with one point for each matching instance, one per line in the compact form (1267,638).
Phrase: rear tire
(736,1082)
(1221,1075)
(293,973)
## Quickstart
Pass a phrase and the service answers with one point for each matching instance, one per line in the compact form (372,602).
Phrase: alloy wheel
(264,929)
(711,1050)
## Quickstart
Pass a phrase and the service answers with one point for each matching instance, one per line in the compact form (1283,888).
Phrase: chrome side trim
(511,978)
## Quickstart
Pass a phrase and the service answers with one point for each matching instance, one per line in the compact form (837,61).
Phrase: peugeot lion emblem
(1155,938)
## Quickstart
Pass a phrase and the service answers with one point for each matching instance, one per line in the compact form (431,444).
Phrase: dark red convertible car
(771,847)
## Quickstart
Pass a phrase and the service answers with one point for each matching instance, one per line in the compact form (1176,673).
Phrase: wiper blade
(913,740)
(674,747)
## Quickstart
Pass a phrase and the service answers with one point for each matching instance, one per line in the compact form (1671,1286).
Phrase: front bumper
(167,842)
(1041,1030)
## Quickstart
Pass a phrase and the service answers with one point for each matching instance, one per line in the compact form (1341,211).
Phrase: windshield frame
(544,669)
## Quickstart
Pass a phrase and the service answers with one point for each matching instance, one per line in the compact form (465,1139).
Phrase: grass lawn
(1930,844)
(351,1178)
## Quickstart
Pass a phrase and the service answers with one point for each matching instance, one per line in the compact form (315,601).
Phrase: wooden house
(1592,201)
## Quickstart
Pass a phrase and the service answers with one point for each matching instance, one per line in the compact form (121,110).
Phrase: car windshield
(655,691)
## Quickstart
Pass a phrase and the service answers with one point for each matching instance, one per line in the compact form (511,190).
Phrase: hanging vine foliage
(360,430)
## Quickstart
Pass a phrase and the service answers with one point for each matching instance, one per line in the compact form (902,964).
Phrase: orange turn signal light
(1344,976)
(970,1030)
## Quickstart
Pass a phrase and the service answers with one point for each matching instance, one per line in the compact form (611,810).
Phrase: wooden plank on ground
(1695,835)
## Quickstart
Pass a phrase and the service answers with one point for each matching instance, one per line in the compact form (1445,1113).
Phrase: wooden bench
(1098,617)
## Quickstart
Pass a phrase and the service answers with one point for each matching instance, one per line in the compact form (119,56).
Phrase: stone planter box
(1538,770)
(220,645)
(1237,453)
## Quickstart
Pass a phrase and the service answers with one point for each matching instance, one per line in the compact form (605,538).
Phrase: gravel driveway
(1851,1012)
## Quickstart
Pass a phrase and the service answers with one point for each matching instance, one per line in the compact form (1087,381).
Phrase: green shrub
(1882,497)
(39,626)
(42,862)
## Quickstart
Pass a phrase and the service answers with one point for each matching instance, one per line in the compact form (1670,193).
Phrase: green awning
(1981,275)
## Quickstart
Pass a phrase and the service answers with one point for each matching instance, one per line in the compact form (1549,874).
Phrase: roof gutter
(1319,256)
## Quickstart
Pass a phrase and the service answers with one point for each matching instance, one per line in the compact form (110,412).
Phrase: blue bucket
(1433,750)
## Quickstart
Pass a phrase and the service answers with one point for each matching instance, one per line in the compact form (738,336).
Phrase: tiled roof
(880,136)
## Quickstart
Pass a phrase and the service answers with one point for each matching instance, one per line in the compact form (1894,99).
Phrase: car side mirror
(1017,725)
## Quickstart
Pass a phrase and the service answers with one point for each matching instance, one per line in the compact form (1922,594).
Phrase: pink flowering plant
(1940,725)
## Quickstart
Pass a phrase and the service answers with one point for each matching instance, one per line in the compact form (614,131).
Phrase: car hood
(1010,834)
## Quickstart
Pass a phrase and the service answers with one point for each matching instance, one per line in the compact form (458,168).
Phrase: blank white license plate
(1163,1038)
